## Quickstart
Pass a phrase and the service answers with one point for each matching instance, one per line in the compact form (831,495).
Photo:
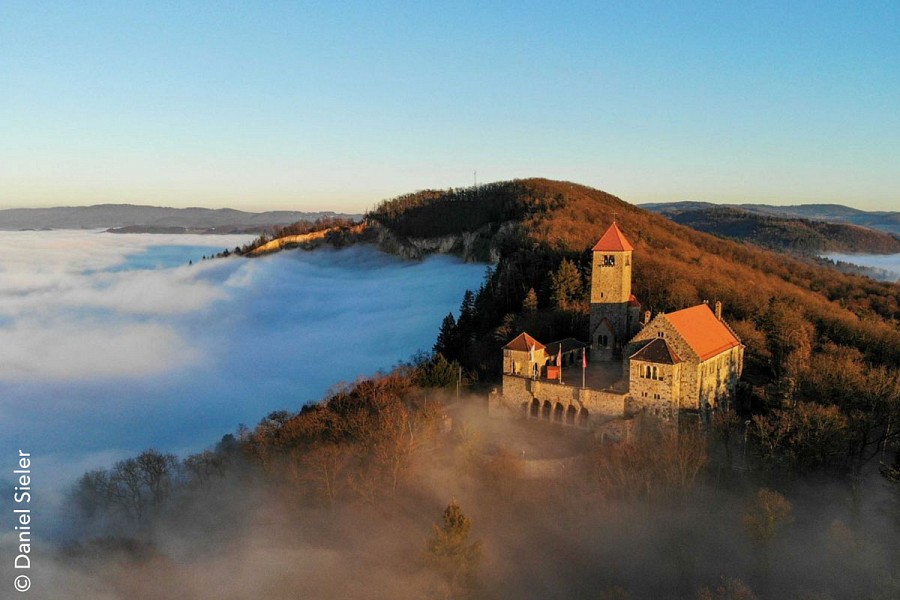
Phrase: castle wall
(659,397)
(572,403)
(718,377)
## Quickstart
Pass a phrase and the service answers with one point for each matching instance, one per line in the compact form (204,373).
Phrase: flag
(531,353)
(559,362)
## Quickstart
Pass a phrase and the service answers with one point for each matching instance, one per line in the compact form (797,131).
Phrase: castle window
(660,334)
(609,260)
(655,373)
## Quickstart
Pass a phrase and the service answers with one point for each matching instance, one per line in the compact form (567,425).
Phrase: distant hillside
(128,218)
(791,234)
(836,213)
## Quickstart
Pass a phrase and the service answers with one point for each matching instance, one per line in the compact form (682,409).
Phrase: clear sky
(316,105)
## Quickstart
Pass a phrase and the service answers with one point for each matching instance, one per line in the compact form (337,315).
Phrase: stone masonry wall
(618,317)
(519,394)
(658,397)
(689,384)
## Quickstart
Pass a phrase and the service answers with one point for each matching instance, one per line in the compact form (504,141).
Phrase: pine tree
(446,343)
(451,554)
(466,325)
(567,285)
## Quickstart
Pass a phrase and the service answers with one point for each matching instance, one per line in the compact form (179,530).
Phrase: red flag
(559,357)
(583,359)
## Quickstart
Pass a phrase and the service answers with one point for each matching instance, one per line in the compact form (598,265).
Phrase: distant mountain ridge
(888,221)
(129,218)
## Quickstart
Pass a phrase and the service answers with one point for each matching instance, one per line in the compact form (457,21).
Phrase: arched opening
(535,408)
(570,415)
(583,417)
(655,373)
(548,408)
(558,413)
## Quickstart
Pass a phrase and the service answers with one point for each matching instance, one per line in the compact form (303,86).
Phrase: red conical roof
(613,241)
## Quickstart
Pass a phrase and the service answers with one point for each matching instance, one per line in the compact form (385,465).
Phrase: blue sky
(264,105)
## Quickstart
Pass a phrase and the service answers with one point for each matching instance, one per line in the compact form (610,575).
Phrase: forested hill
(790,234)
(888,221)
(129,218)
(767,296)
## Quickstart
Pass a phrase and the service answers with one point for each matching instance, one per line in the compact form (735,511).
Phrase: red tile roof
(613,241)
(523,343)
(633,301)
(703,332)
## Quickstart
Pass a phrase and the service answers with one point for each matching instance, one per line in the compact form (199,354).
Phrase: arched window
(583,417)
(655,373)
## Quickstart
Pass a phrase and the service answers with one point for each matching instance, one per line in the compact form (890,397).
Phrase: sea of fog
(111,344)
(890,263)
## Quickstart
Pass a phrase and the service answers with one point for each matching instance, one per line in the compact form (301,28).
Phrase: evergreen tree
(446,344)
(567,286)
(451,554)
(466,326)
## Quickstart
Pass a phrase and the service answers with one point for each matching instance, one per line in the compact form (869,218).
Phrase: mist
(110,344)
(890,263)
(549,532)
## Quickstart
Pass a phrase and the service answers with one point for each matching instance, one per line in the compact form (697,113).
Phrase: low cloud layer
(100,357)
(887,262)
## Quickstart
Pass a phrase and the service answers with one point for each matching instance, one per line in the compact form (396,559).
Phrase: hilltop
(786,233)
(674,266)
(528,227)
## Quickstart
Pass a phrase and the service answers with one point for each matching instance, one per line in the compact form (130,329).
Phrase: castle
(687,361)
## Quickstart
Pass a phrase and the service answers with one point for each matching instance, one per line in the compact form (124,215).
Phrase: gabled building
(708,354)
(524,356)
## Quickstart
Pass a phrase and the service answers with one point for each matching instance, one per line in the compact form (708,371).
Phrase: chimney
(646,317)
(718,310)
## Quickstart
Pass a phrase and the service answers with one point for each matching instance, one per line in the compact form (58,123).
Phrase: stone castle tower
(614,309)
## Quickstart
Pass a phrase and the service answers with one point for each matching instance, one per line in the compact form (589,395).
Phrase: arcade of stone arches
(557,414)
